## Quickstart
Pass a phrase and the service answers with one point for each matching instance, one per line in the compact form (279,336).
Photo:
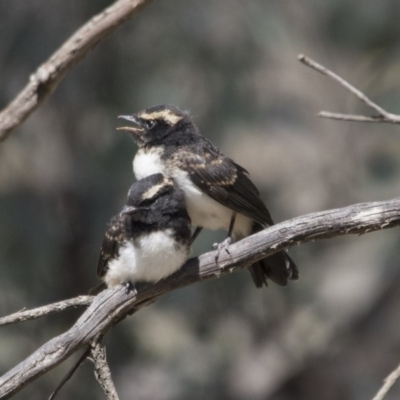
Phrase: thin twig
(48,76)
(70,373)
(350,117)
(26,315)
(111,305)
(102,370)
(383,115)
(388,383)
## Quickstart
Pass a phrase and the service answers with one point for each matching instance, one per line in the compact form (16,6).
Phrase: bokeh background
(334,334)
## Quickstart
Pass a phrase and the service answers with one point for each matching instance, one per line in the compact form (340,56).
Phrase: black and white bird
(150,238)
(219,193)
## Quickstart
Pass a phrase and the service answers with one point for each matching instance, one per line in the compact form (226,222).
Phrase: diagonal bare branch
(112,305)
(383,115)
(44,81)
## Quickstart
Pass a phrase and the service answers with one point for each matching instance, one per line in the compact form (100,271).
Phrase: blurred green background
(334,334)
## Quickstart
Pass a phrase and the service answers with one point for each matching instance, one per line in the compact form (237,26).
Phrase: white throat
(147,163)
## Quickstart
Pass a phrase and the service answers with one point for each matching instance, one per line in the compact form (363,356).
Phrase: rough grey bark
(112,305)
(102,370)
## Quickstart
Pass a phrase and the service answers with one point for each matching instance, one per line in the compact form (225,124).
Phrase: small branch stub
(389,382)
(102,370)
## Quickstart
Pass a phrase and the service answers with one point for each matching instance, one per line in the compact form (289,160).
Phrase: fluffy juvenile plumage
(219,193)
(150,238)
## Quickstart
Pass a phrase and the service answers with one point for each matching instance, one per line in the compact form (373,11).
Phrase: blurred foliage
(232,63)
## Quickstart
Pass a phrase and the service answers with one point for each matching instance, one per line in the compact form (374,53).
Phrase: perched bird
(150,238)
(219,192)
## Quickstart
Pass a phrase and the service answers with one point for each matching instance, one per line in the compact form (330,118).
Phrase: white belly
(202,209)
(153,258)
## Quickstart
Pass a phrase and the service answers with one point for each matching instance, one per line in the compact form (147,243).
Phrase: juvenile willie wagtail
(219,192)
(150,238)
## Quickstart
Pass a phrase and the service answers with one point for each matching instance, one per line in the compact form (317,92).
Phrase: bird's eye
(150,123)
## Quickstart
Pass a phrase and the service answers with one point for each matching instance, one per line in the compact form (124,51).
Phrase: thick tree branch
(112,305)
(383,115)
(48,76)
(26,315)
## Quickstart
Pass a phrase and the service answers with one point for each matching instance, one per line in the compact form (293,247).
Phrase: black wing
(110,246)
(226,182)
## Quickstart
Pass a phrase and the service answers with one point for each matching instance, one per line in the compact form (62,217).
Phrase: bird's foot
(223,246)
(129,287)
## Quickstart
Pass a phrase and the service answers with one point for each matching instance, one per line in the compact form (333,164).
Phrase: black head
(155,124)
(157,195)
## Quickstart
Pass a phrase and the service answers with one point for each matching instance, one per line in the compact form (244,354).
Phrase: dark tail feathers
(278,267)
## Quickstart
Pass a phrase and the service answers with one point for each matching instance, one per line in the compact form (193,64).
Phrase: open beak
(134,129)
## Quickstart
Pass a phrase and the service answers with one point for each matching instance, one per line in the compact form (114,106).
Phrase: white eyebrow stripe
(166,115)
(151,192)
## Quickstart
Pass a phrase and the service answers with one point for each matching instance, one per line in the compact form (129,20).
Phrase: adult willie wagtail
(150,238)
(219,192)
